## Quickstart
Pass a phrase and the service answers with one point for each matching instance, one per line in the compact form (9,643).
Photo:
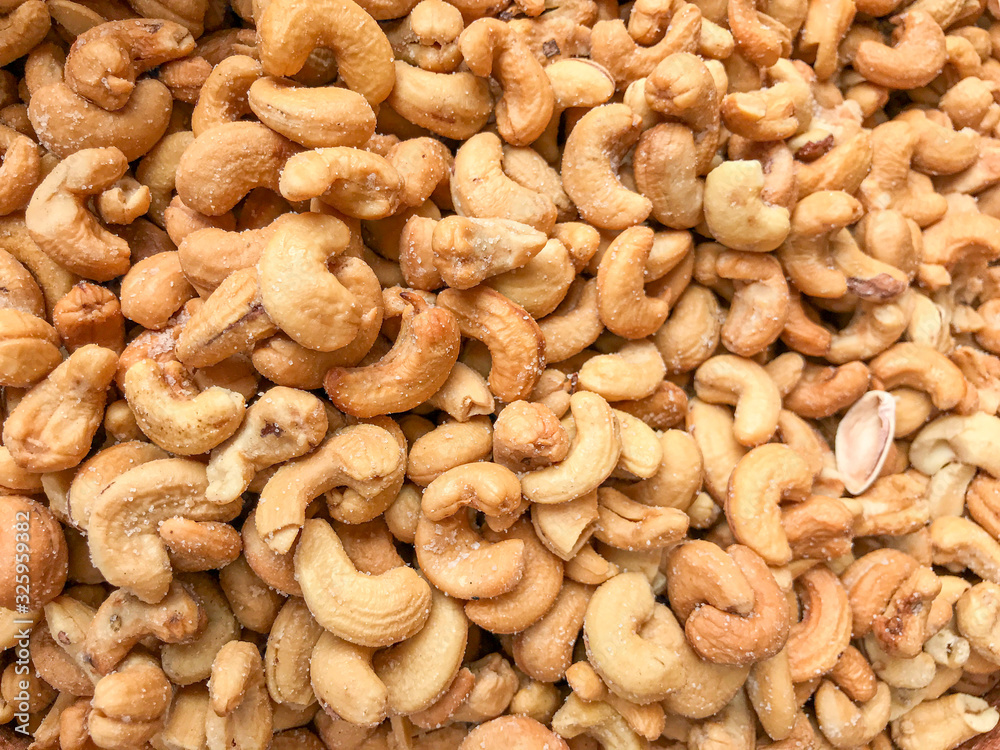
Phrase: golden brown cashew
(490,47)
(728,379)
(289,648)
(366,610)
(514,732)
(592,456)
(943,723)
(313,117)
(467,566)
(366,458)
(21,170)
(66,123)
(761,480)
(52,427)
(480,187)
(411,372)
(60,223)
(623,304)
(124,523)
(354,181)
(299,293)
(817,641)
(737,214)
(466,252)
(223,96)
(29,348)
(283,424)
(177,416)
(290,31)
(130,704)
(122,621)
(104,62)
(336,662)
(634,667)
(633,372)
(595,146)
(240,709)
(955,438)
(22,28)
(187,663)
(917,58)
(489,488)
(454,105)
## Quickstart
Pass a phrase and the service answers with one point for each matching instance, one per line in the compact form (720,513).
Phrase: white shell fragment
(864,437)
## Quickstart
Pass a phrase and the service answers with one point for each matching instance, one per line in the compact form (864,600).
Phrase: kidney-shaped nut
(104,62)
(284,423)
(169,409)
(593,454)
(762,479)
(737,214)
(290,31)
(633,667)
(728,379)
(915,61)
(487,487)
(37,554)
(29,348)
(366,610)
(60,224)
(954,438)
(365,458)
(469,251)
(52,427)
(125,522)
(240,712)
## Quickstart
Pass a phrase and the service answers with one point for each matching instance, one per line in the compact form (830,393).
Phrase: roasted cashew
(124,522)
(239,710)
(736,213)
(367,459)
(454,105)
(60,223)
(916,59)
(732,380)
(354,181)
(365,610)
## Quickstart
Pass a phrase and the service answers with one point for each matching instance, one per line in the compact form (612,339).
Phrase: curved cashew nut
(761,480)
(736,213)
(240,156)
(354,181)
(454,105)
(24,26)
(123,620)
(969,440)
(335,663)
(491,47)
(104,62)
(283,424)
(240,710)
(514,732)
(961,543)
(921,367)
(844,723)
(599,141)
(52,427)
(60,223)
(417,671)
(626,524)
(174,415)
(299,293)
(513,337)
(816,643)
(289,648)
(466,252)
(458,561)
(223,96)
(487,487)
(365,610)
(728,379)
(623,304)
(290,31)
(916,60)
(634,667)
(21,170)
(480,188)
(130,704)
(124,523)
(366,458)
(593,454)
(416,367)
(943,723)
(190,662)
(633,372)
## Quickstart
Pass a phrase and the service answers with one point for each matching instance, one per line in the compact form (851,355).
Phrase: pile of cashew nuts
(499,374)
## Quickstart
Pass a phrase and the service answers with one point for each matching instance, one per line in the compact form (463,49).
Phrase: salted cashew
(593,149)
(824,632)
(732,380)
(921,367)
(364,610)
(299,294)
(481,188)
(123,620)
(130,704)
(960,543)
(103,63)
(289,649)
(366,458)
(241,156)
(191,662)
(848,725)
(24,26)
(623,303)
(223,96)
(47,554)
(52,427)
(919,54)
(491,47)
(124,522)
(411,372)
(171,411)
(454,105)
(943,723)
(736,213)
(240,712)
(956,438)
(633,372)
(356,182)
(469,251)
(60,223)
(289,32)
(761,480)
(634,667)
(21,170)
(29,348)
(515,341)
(335,661)
(281,425)
(487,487)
